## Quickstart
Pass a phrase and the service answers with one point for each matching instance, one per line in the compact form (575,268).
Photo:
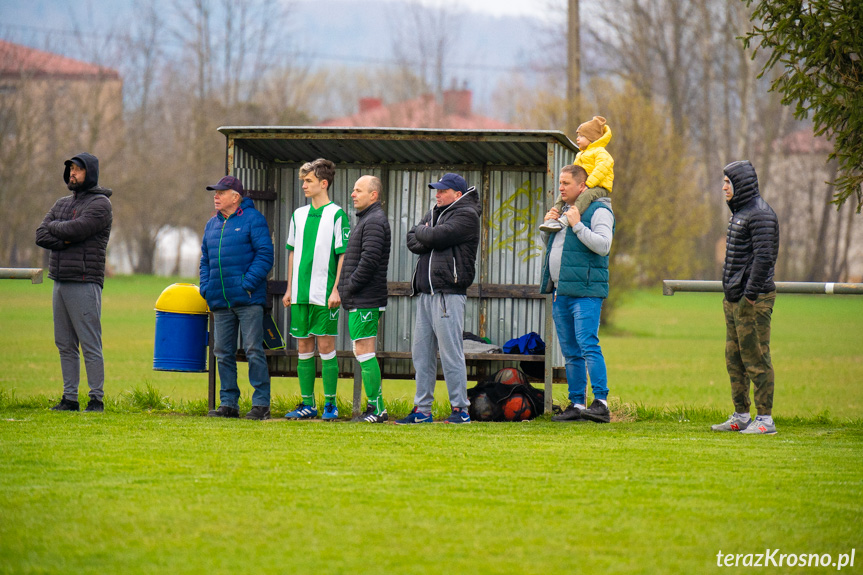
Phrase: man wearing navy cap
(236,257)
(446,240)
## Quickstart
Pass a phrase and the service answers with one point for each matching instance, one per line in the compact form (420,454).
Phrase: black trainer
(259,412)
(597,412)
(571,413)
(95,405)
(224,411)
(66,405)
(371,417)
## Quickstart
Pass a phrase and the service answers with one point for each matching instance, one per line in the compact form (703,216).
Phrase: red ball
(517,408)
(509,376)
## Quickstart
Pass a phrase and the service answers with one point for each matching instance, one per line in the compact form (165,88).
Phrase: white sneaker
(733,423)
(760,426)
(551,226)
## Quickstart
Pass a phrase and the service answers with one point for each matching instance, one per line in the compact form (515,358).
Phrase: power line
(124,39)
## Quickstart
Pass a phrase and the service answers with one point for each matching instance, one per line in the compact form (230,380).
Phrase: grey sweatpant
(78,320)
(439,327)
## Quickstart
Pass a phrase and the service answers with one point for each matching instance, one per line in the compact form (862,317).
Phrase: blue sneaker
(458,415)
(330,412)
(302,411)
(416,416)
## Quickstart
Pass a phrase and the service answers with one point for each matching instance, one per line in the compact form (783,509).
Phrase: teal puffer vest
(583,273)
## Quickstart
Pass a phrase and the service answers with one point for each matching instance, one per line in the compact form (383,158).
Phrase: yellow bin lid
(182,298)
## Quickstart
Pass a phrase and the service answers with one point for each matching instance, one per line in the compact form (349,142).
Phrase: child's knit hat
(592,129)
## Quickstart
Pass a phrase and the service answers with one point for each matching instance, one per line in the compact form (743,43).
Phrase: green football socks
(306,374)
(371,371)
(330,375)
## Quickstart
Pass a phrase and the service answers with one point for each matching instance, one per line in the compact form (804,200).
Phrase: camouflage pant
(747,352)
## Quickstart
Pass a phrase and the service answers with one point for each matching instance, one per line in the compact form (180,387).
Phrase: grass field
(137,490)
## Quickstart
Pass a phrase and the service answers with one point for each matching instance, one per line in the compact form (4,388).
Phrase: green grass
(151,487)
(139,493)
(663,352)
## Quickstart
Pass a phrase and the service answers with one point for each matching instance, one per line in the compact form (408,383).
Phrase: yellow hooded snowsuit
(597,162)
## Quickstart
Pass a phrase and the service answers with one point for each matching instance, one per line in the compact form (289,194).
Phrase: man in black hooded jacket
(76,230)
(446,240)
(752,245)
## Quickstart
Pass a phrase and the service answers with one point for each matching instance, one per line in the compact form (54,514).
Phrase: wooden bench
(480,365)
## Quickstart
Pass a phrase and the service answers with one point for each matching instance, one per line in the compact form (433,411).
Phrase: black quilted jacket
(752,242)
(77,228)
(363,283)
(447,245)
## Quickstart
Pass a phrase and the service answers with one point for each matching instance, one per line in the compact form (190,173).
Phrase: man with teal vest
(576,272)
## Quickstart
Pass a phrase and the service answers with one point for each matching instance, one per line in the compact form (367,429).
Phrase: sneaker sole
(596,419)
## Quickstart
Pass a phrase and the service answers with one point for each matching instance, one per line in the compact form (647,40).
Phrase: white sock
(579,405)
(742,416)
(605,403)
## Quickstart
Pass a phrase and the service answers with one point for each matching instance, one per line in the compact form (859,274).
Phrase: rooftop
(16,60)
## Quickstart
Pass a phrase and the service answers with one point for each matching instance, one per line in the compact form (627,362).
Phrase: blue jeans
(577,322)
(249,321)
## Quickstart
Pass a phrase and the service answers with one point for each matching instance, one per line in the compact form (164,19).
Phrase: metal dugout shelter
(515,174)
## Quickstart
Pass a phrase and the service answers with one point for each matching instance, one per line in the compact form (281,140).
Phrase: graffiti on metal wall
(516,221)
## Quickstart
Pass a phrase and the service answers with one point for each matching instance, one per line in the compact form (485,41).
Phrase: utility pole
(573,71)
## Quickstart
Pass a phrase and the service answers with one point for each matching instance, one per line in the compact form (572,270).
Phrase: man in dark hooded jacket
(752,245)
(446,240)
(76,230)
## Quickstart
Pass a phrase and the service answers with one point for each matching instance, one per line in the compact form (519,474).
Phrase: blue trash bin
(181,330)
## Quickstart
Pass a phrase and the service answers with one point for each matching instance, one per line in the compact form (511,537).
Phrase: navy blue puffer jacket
(752,242)
(236,257)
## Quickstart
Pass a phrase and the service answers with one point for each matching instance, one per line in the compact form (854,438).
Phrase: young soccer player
(317,238)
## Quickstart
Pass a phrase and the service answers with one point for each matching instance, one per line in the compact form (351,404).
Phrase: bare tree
(423,41)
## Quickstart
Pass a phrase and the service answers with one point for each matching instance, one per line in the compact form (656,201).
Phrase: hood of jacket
(603,140)
(91,165)
(469,200)
(744,182)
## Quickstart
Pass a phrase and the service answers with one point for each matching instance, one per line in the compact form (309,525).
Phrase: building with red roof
(452,111)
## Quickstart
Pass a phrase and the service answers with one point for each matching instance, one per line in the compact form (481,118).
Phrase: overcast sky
(501,7)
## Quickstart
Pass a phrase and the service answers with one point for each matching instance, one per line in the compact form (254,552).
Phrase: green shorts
(309,319)
(363,323)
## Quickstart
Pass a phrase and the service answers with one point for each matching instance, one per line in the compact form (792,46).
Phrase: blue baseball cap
(228,183)
(450,182)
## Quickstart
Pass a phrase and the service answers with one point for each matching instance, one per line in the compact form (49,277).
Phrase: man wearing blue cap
(236,257)
(446,240)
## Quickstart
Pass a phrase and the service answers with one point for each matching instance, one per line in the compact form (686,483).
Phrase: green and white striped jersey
(317,237)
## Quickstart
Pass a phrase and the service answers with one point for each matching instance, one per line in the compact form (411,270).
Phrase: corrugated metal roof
(370,146)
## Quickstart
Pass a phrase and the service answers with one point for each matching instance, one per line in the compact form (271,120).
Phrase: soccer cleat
(371,417)
(458,415)
(551,226)
(95,405)
(66,405)
(331,412)
(225,411)
(571,413)
(416,416)
(302,411)
(733,423)
(597,412)
(259,412)
(760,426)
